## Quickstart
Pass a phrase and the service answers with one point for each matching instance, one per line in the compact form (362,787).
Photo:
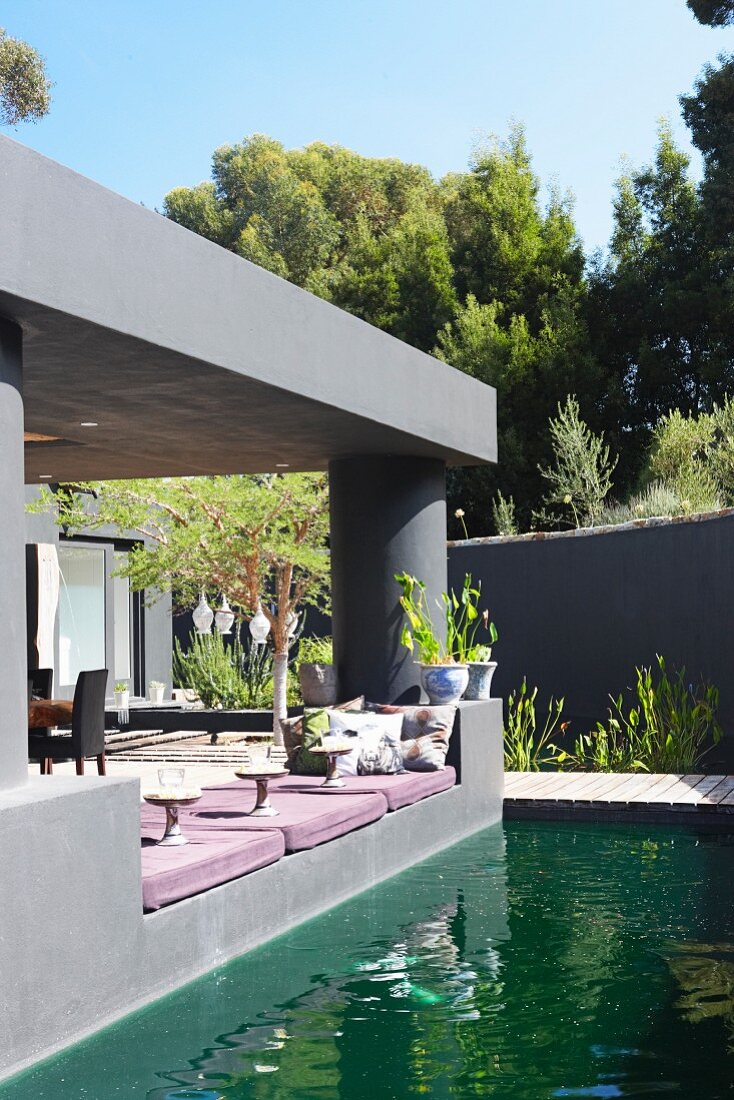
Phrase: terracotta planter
(480,679)
(444,683)
(318,684)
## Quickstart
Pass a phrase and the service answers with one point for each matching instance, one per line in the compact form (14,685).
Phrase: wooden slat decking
(695,798)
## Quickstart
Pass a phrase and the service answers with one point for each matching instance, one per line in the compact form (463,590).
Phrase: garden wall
(577,610)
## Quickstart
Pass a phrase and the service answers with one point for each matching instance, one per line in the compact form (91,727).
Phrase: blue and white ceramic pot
(480,679)
(444,683)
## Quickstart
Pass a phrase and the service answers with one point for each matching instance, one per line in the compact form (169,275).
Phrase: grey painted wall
(388,516)
(575,614)
(13,690)
(71,875)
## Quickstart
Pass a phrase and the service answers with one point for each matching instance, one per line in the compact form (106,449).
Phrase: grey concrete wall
(71,875)
(327,375)
(576,613)
(388,516)
(13,679)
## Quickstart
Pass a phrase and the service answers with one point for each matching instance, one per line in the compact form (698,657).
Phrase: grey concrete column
(13,665)
(388,516)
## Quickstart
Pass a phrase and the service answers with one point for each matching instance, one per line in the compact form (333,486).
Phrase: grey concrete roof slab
(191,360)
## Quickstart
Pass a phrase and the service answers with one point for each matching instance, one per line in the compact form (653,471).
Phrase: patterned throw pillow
(425,736)
(377,749)
(306,729)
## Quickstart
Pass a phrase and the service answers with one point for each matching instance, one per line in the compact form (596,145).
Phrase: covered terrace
(131,347)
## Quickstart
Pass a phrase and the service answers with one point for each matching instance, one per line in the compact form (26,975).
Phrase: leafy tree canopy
(256,539)
(716,13)
(25,91)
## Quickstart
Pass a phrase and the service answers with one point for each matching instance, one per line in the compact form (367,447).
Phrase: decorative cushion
(305,730)
(425,736)
(377,750)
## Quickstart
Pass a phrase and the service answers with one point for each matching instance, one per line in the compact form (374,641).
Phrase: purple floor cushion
(303,820)
(211,857)
(398,790)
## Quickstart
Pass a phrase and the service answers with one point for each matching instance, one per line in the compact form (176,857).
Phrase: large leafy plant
(671,727)
(526,747)
(462,617)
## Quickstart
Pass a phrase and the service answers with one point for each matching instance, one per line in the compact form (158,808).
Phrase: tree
(259,540)
(471,268)
(25,91)
(581,475)
(717,13)
(653,313)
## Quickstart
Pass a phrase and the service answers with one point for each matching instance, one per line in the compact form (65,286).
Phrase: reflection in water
(539,961)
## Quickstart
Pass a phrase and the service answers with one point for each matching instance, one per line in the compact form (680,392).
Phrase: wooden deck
(685,799)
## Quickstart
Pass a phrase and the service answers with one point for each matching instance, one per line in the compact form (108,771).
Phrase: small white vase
(122,700)
(155,695)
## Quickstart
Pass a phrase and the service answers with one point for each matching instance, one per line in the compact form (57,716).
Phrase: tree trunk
(280,705)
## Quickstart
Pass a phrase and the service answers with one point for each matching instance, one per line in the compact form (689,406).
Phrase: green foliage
(225,675)
(255,538)
(695,456)
(661,499)
(464,620)
(25,91)
(503,515)
(581,476)
(525,747)
(260,540)
(315,651)
(420,632)
(716,13)
(657,309)
(670,729)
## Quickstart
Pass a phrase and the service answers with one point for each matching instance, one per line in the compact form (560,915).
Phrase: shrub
(523,749)
(581,476)
(660,498)
(667,731)
(315,651)
(695,456)
(225,675)
(503,515)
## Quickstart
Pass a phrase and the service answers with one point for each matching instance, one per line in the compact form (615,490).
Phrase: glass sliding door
(81,612)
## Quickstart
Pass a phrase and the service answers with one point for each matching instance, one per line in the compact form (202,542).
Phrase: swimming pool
(531,961)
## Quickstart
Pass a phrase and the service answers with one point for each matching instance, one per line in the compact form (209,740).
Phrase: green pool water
(531,961)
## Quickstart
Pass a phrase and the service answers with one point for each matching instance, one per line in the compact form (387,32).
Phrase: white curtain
(48,601)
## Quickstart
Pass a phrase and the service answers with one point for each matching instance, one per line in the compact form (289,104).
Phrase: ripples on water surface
(535,961)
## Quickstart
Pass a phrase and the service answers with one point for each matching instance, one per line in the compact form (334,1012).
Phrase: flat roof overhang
(191,360)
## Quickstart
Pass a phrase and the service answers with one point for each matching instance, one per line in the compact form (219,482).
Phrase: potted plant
(464,622)
(155,691)
(122,695)
(316,672)
(443,678)
(481,671)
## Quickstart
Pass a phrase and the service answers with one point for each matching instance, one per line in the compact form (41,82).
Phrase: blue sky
(147,89)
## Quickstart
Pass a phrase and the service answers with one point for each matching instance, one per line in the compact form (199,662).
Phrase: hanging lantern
(203,616)
(259,626)
(291,623)
(224,617)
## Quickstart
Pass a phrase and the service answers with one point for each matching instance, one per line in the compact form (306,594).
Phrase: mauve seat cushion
(304,821)
(399,790)
(211,857)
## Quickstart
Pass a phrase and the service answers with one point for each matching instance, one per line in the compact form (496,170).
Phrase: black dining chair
(87,728)
(40,686)
(42,681)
